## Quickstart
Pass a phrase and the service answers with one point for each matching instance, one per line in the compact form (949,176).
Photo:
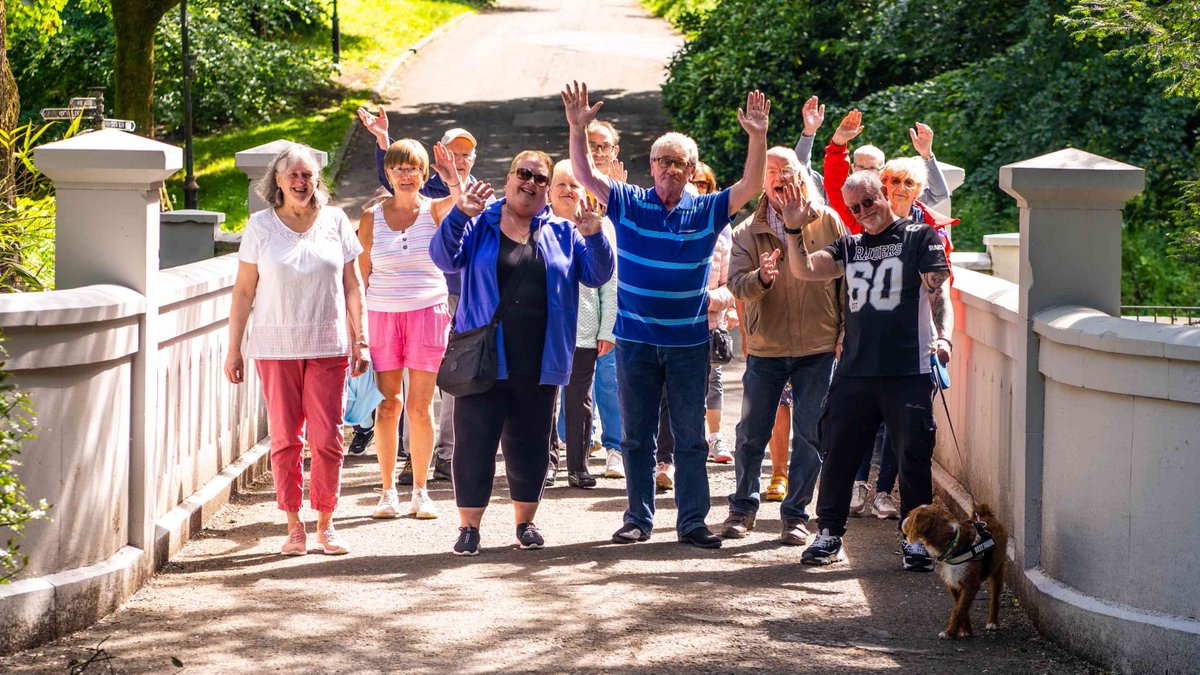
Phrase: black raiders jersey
(889,327)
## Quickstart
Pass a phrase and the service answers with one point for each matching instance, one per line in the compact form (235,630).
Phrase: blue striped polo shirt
(663,262)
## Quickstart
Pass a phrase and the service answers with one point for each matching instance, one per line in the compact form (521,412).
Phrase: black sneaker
(441,469)
(825,549)
(581,479)
(362,438)
(406,474)
(468,541)
(528,536)
(916,558)
(629,534)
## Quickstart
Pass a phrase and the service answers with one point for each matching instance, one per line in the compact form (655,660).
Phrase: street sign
(82,102)
(66,113)
(123,125)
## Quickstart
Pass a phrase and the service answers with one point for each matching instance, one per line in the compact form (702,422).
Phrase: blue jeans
(762,384)
(604,393)
(643,372)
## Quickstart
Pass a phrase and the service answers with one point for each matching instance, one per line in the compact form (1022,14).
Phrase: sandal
(777,490)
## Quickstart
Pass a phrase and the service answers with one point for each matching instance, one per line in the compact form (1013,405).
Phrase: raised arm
(813,114)
(592,252)
(377,125)
(754,120)
(803,264)
(443,167)
(446,247)
(579,114)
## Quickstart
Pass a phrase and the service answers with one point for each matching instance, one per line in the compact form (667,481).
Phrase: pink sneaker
(297,541)
(331,542)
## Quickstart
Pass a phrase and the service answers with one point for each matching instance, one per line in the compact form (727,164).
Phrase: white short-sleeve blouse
(300,302)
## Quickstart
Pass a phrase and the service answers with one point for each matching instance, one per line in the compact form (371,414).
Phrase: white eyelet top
(300,302)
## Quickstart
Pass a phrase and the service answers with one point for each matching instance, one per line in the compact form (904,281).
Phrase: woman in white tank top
(406,310)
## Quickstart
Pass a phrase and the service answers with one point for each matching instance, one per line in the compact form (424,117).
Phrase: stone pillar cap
(256,159)
(108,157)
(954,174)
(1072,178)
(192,216)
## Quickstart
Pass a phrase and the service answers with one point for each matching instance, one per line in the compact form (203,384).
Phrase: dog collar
(976,550)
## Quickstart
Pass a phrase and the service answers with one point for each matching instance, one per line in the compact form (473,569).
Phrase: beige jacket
(792,317)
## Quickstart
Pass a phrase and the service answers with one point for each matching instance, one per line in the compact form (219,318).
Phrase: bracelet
(454,185)
(946,340)
(789,230)
(362,343)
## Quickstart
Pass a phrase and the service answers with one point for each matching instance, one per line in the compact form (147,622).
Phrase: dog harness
(979,549)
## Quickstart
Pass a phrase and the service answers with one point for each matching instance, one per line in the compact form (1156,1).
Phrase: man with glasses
(793,329)
(896,279)
(870,158)
(461,144)
(665,242)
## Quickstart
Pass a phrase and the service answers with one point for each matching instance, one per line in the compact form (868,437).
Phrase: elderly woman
(406,306)
(516,242)
(593,339)
(297,273)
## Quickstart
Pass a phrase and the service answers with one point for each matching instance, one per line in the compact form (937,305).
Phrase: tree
(10,106)
(134,22)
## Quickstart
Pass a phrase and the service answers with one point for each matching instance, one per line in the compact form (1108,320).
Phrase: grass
(373,34)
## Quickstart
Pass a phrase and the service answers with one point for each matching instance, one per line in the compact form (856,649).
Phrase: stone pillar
(954,178)
(254,163)
(1070,231)
(188,235)
(107,232)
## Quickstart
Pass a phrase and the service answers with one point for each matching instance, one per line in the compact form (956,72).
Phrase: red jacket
(837,169)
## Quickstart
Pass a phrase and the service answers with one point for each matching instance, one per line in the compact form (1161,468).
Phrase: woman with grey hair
(297,274)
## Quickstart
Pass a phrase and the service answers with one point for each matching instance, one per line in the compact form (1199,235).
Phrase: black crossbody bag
(471,362)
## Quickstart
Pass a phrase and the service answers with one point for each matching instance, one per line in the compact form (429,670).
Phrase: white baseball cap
(456,133)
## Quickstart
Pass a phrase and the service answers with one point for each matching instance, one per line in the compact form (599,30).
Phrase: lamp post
(337,36)
(191,191)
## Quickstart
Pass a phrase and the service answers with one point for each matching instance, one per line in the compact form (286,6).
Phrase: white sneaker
(422,506)
(597,449)
(664,477)
(615,466)
(884,506)
(859,496)
(388,506)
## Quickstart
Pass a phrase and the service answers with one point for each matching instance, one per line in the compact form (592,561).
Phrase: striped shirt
(664,258)
(403,277)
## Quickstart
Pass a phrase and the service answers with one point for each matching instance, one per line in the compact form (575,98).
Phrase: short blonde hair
(536,154)
(563,166)
(294,153)
(906,167)
(407,151)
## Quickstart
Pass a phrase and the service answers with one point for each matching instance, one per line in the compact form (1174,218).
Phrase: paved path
(401,602)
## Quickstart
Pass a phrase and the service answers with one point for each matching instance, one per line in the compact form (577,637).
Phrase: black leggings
(850,416)
(515,415)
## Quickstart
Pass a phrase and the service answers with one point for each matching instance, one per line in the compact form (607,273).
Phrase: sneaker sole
(466,553)
(385,516)
(422,515)
(840,557)
(883,516)
(723,460)
(340,551)
(917,568)
(293,554)
(531,547)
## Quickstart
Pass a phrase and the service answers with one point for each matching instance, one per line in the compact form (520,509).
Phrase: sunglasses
(539,179)
(864,204)
(668,163)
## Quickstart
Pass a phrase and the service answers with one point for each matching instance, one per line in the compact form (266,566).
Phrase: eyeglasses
(668,163)
(784,172)
(906,182)
(405,170)
(860,167)
(601,148)
(466,156)
(864,204)
(539,179)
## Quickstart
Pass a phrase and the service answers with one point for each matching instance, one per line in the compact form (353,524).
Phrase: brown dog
(949,540)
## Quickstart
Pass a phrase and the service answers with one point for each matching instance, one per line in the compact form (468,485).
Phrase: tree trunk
(134,22)
(10,107)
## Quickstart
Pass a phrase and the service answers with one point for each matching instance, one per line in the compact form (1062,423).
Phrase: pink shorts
(414,340)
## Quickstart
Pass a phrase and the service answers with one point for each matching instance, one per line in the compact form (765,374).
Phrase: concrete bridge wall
(139,436)
(1081,428)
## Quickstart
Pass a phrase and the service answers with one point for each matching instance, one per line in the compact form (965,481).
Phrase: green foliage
(42,19)
(686,15)
(1013,87)
(16,425)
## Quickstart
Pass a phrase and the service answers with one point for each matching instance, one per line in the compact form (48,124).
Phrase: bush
(16,423)
(1020,90)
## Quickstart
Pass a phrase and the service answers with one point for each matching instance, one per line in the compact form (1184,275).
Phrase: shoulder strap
(522,267)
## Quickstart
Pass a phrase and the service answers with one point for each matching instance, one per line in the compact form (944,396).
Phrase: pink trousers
(304,393)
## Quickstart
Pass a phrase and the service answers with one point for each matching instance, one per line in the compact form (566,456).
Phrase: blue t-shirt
(664,258)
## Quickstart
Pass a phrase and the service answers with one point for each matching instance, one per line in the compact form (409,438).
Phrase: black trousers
(577,405)
(850,417)
(515,415)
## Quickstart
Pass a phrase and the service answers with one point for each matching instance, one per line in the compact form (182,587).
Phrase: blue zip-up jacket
(471,246)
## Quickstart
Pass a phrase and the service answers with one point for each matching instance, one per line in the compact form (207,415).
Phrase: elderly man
(793,328)
(461,144)
(897,315)
(665,241)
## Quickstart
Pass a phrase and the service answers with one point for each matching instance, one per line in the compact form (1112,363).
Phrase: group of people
(837,283)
